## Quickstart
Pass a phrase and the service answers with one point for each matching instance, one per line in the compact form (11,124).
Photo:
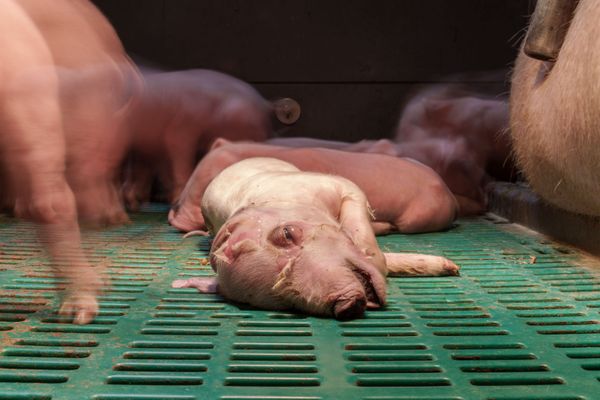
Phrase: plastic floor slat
(520,323)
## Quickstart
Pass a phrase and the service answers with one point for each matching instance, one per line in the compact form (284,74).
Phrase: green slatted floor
(521,323)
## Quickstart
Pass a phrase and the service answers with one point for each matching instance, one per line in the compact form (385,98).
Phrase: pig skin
(406,196)
(554,118)
(289,239)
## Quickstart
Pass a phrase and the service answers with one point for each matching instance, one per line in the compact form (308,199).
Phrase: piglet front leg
(412,264)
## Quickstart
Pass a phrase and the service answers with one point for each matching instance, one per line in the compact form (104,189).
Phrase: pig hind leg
(411,264)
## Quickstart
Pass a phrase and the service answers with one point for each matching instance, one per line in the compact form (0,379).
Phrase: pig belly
(555,123)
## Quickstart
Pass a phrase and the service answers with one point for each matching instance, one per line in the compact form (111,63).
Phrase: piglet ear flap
(229,251)
(219,142)
(204,285)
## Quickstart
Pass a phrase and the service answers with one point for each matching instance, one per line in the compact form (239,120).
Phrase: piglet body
(285,238)
(175,120)
(406,196)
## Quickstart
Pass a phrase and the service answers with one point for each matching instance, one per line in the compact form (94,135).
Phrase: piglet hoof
(410,264)
(196,233)
(204,285)
(82,307)
(449,268)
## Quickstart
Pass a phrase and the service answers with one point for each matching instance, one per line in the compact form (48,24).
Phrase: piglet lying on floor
(288,239)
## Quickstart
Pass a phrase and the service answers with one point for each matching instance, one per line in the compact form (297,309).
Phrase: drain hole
(273,332)
(153,380)
(25,396)
(178,331)
(272,357)
(71,329)
(505,368)
(564,345)
(19,352)
(171,344)
(183,322)
(389,357)
(402,382)
(162,367)
(395,368)
(69,320)
(273,381)
(23,377)
(274,324)
(385,333)
(568,331)
(273,368)
(551,323)
(273,346)
(368,346)
(471,333)
(167,355)
(584,355)
(460,324)
(57,342)
(516,381)
(140,397)
(491,346)
(497,356)
(374,324)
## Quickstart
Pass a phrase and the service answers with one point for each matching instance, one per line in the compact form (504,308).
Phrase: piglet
(406,195)
(175,120)
(289,239)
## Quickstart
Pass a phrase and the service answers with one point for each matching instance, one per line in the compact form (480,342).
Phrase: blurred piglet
(288,239)
(64,82)
(176,119)
(97,83)
(450,158)
(474,121)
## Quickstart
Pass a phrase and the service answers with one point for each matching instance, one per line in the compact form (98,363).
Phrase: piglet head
(294,258)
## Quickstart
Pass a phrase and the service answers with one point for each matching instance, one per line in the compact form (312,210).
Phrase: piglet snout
(349,308)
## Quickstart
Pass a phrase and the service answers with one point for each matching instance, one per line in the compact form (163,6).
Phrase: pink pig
(406,195)
(61,79)
(288,239)
(177,117)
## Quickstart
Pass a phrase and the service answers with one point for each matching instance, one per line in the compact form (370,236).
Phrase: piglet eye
(286,235)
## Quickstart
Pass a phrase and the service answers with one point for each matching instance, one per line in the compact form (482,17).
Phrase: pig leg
(34,151)
(355,218)
(96,143)
(181,151)
(204,285)
(138,183)
(411,264)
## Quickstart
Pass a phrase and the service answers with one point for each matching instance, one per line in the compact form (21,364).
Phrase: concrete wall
(348,63)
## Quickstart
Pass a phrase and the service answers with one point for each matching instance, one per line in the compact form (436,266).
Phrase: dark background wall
(349,63)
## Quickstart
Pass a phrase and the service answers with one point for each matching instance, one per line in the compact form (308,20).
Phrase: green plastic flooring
(520,323)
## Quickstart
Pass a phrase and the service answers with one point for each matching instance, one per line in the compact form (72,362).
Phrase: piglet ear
(204,285)
(229,251)
(219,142)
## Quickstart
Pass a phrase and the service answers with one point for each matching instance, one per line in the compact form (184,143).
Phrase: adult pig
(33,151)
(284,238)
(406,195)
(178,117)
(554,118)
